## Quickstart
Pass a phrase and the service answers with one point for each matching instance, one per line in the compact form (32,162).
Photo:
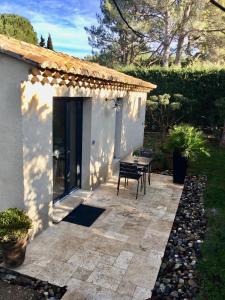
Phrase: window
(139,108)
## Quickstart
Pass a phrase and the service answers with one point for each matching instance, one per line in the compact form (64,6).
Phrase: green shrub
(164,111)
(188,140)
(14,224)
(202,86)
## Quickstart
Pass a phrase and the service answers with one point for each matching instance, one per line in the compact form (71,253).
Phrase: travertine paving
(119,256)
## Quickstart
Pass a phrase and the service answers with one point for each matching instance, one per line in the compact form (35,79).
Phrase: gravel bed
(177,278)
(15,284)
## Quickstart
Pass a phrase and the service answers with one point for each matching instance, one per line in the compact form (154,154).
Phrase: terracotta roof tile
(48,59)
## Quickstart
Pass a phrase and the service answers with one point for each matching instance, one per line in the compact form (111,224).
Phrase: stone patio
(119,256)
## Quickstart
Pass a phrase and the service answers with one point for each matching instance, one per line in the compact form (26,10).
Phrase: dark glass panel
(59,150)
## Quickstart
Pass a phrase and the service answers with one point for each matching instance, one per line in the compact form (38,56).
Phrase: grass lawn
(212,264)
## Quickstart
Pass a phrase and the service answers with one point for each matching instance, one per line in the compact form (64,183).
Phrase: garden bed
(26,287)
(178,278)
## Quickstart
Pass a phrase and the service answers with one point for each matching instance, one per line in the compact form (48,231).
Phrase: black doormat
(84,215)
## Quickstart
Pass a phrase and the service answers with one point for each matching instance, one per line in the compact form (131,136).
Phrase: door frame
(79,140)
(118,128)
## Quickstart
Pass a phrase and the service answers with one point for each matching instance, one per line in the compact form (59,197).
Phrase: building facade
(65,123)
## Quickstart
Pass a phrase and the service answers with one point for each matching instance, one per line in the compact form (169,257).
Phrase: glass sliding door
(59,148)
(67,145)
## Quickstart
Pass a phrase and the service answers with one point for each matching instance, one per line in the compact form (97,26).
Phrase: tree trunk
(179,50)
(166,44)
(222,141)
(182,34)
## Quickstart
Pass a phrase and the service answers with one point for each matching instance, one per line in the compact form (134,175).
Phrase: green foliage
(162,159)
(188,140)
(14,225)
(49,43)
(17,27)
(148,32)
(220,105)
(104,59)
(163,111)
(42,42)
(211,266)
(112,41)
(202,86)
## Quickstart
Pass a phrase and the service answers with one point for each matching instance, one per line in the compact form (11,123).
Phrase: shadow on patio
(119,256)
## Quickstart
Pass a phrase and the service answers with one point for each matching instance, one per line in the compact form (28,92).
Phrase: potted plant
(187,143)
(14,233)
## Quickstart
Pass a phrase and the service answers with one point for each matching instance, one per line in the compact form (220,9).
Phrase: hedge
(202,85)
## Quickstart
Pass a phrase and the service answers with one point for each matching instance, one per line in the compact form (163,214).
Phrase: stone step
(62,208)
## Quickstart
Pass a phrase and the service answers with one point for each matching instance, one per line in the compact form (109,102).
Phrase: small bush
(14,225)
(188,140)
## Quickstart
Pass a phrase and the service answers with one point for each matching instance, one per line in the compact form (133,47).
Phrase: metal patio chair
(149,154)
(130,171)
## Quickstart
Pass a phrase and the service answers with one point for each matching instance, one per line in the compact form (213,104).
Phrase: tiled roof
(52,60)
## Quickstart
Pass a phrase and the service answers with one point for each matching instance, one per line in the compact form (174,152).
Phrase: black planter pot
(180,164)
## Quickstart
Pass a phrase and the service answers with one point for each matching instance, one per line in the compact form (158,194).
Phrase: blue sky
(64,19)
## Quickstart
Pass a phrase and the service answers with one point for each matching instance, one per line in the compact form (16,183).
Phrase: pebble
(45,289)
(177,278)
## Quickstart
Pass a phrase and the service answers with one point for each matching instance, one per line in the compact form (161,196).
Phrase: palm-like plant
(188,141)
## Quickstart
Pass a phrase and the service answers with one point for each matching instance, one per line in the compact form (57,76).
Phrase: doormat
(84,215)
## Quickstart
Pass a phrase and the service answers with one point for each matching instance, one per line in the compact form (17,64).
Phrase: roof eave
(20,57)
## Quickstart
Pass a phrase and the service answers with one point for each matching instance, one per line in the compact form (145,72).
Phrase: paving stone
(115,235)
(104,245)
(119,256)
(126,288)
(141,274)
(57,273)
(79,290)
(141,293)
(123,260)
(81,274)
(107,277)
(85,259)
(106,260)
(32,270)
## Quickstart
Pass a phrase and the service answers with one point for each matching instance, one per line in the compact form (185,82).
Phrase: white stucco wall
(133,123)
(12,72)
(103,131)
(98,138)
(27,137)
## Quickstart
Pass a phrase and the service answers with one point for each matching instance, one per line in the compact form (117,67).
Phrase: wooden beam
(45,80)
(34,79)
(35,71)
(47,73)
(56,75)
(53,81)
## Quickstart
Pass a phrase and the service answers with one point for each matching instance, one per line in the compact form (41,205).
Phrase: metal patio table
(143,162)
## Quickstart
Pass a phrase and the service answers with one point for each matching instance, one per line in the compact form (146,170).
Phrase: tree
(49,42)
(17,27)
(42,42)
(217,4)
(162,32)
(113,38)
(207,38)
(164,111)
(220,103)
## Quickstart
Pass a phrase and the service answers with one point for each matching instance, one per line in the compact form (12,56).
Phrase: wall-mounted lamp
(116,103)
